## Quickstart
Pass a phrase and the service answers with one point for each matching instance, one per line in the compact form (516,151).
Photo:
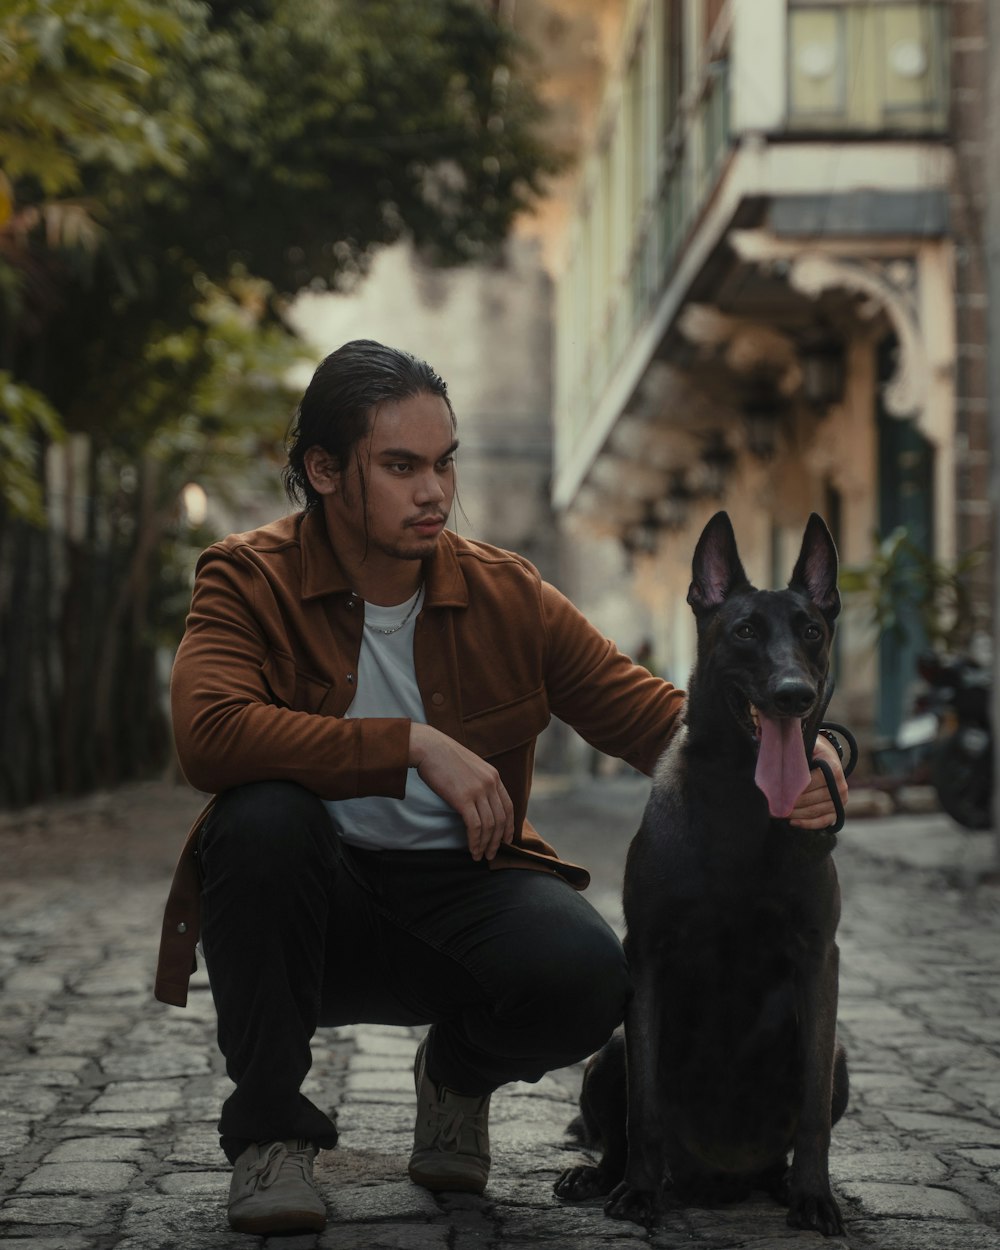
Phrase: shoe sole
(448,1184)
(282,1222)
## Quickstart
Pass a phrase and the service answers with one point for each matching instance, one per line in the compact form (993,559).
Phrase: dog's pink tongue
(782,767)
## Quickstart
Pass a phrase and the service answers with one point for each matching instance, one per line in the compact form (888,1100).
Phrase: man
(362,689)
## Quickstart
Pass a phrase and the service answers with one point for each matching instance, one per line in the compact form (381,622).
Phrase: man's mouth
(428,524)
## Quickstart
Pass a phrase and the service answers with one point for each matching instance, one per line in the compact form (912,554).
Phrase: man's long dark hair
(341,401)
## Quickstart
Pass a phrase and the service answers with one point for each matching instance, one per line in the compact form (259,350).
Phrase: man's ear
(322,469)
(716,568)
(815,573)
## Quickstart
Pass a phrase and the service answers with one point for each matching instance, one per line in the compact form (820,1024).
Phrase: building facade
(771,298)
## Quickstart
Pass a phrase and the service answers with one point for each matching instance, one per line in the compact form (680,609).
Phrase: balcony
(788,97)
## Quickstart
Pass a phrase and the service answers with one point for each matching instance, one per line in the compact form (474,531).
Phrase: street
(108,1099)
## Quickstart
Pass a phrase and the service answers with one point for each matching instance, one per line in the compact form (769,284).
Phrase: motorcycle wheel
(964,783)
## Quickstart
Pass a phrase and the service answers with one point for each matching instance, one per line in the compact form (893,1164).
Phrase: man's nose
(430,489)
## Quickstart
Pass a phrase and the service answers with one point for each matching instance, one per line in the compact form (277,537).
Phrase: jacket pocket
(498,729)
(292,688)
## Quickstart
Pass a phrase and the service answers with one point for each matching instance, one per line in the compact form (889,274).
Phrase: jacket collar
(323,574)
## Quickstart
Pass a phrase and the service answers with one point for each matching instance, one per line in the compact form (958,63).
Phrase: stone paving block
(880,1165)
(566,1226)
(40,1067)
(400,1200)
(373,1061)
(20,1093)
(67,1241)
(513,1188)
(160,1223)
(115,1121)
(375,1096)
(924,1235)
(982,1156)
(402,1044)
(138,1096)
(394,1081)
(943,1128)
(33,983)
(15,1133)
(396,1146)
(580,1243)
(296,1241)
(343,1170)
(167,1061)
(116,978)
(93,1149)
(78,1177)
(81,1213)
(383,1237)
(910,1201)
(196,1145)
(511,1136)
(393,1117)
(196,1184)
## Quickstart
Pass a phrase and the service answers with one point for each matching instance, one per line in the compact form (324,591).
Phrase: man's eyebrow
(404,453)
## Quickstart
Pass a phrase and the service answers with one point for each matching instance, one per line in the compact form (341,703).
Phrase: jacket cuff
(383,756)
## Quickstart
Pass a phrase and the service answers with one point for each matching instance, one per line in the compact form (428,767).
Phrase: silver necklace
(394,629)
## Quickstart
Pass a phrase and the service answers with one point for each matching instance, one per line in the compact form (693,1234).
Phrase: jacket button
(437,699)
(182,927)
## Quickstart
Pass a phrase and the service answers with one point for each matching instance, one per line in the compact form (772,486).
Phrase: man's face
(408,463)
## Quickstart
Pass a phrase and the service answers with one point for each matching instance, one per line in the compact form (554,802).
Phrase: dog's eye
(812,632)
(745,630)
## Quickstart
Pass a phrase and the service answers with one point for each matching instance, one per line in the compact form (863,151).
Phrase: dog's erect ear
(815,572)
(716,567)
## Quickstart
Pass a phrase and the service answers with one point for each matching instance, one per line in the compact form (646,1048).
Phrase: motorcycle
(945,741)
(961,758)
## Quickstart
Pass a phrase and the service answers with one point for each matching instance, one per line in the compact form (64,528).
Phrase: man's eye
(446,463)
(745,630)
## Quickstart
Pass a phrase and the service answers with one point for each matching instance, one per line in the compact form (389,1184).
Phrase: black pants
(517,973)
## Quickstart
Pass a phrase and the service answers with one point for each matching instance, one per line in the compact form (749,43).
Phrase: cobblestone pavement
(108,1100)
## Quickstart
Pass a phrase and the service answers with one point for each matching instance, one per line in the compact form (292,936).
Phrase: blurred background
(670,256)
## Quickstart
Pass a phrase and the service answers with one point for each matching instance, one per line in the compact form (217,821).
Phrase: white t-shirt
(387,686)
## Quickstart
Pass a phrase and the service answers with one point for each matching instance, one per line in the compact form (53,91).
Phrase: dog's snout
(793,696)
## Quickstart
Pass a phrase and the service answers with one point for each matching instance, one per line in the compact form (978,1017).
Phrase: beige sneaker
(451,1141)
(272,1190)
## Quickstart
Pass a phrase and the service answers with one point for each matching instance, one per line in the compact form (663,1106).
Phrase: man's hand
(468,784)
(814,809)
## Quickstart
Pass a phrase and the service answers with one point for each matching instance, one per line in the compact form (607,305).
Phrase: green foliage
(902,584)
(27,423)
(75,79)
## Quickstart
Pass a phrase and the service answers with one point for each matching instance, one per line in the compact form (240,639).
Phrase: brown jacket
(267,665)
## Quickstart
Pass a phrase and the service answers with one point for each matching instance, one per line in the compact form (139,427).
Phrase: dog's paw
(628,1203)
(816,1211)
(580,1183)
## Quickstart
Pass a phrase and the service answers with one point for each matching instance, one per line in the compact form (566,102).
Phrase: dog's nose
(793,696)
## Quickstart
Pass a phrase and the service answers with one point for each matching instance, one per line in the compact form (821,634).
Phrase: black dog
(732,1057)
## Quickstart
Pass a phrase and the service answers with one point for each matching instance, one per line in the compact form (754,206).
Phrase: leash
(849,765)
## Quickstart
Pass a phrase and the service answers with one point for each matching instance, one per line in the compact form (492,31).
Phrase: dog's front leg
(638,1196)
(812,1204)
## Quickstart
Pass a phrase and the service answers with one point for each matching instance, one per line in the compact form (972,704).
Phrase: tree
(172,172)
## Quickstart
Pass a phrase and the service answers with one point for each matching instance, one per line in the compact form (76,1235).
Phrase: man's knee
(265,825)
(579,994)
